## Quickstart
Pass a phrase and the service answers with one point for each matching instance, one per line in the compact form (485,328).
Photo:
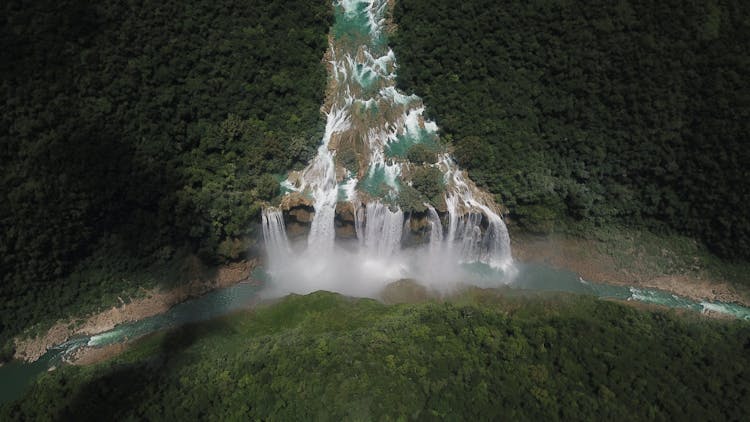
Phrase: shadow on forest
(47,26)
(125,386)
(127,144)
(78,177)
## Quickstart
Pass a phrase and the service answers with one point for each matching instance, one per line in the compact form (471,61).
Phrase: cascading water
(366,112)
(491,245)
(361,173)
(436,226)
(320,178)
(383,229)
(274,235)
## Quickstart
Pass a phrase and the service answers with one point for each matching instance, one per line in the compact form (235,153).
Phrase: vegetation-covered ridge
(132,133)
(483,356)
(641,259)
(631,112)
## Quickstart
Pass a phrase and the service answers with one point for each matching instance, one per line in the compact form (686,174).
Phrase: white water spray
(383,230)
(369,115)
(274,235)
(320,178)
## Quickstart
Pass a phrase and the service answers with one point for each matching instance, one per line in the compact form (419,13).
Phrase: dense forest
(139,135)
(131,132)
(630,112)
(485,356)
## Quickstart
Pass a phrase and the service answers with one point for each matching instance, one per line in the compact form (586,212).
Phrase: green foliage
(347,157)
(472,152)
(231,249)
(421,154)
(538,219)
(7,350)
(410,200)
(633,112)
(268,187)
(140,128)
(427,187)
(653,256)
(428,181)
(482,357)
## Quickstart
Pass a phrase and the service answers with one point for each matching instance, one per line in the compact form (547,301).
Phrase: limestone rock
(295,200)
(346,232)
(419,222)
(345,212)
(298,208)
(302,215)
(296,230)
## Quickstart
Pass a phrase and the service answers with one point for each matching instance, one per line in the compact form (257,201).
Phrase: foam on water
(363,75)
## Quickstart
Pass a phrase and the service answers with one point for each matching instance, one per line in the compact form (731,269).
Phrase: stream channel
(16,376)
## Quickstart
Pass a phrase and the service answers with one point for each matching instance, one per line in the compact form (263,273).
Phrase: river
(366,113)
(15,377)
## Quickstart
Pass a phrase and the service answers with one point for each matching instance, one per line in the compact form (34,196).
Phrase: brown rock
(296,230)
(346,231)
(154,301)
(298,208)
(302,214)
(419,223)
(295,200)
(345,212)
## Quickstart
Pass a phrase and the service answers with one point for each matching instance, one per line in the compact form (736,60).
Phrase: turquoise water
(15,377)
(539,277)
(355,26)
(404,142)
(375,182)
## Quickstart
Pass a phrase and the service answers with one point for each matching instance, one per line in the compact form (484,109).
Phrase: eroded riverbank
(584,257)
(154,302)
(592,261)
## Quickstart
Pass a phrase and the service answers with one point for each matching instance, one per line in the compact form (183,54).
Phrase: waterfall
(436,229)
(359,222)
(496,242)
(436,226)
(466,214)
(383,230)
(320,178)
(369,119)
(274,235)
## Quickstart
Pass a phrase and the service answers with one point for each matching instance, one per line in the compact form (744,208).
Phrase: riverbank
(561,348)
(631,260)
(622,262)
(153,302)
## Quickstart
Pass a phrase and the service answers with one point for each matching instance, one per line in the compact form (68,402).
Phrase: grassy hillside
(629,112)
(483,356)
(132,133)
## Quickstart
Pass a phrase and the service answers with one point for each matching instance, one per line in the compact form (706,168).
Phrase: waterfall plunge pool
(16,377)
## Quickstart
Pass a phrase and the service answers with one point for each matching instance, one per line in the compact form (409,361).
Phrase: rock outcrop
(298,214)
(344,221)
(153,302)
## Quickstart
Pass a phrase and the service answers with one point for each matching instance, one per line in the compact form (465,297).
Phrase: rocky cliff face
(382,183)
(299,213)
